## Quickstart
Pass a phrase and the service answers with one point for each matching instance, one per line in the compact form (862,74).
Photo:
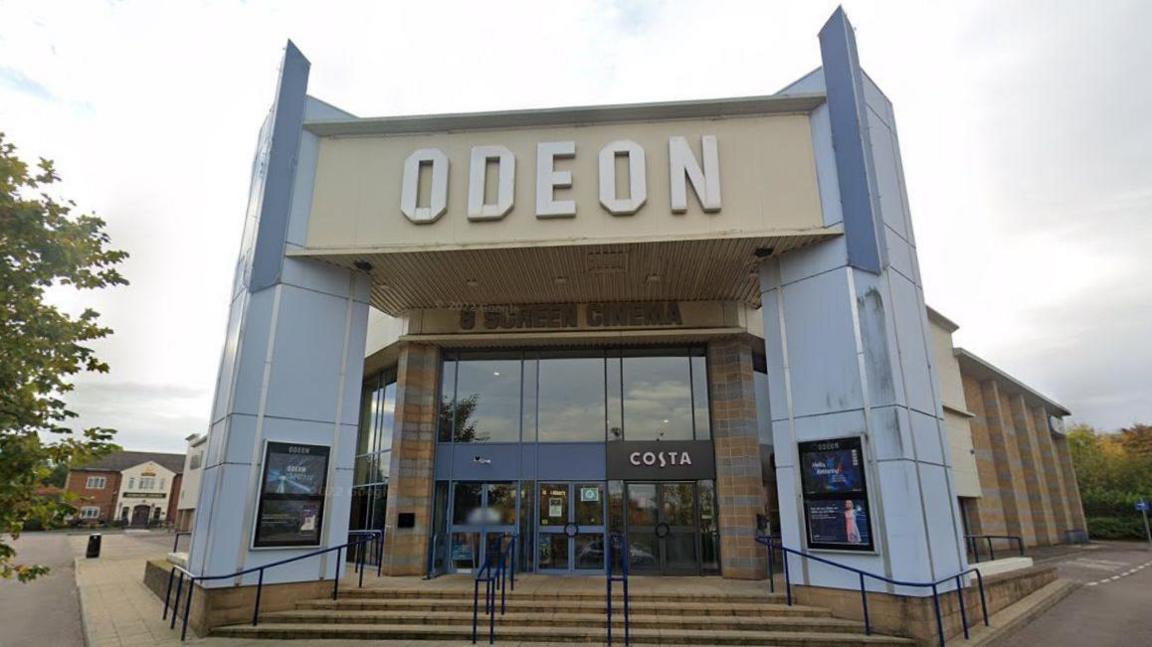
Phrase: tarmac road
(1114,607)
(45,611)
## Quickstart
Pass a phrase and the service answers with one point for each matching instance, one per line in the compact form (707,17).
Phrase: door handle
(571,529)
(662,529)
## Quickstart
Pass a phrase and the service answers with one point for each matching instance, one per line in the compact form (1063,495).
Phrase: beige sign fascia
(766,168)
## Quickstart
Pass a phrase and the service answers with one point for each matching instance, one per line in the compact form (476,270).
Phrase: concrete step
(590,620)
(560,593)
(555,606)
(299,631)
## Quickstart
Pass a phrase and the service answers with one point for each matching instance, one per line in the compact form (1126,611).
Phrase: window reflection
(657,398)
(386,416)
(487,404)
(570,396)
(571,399)
(466,504)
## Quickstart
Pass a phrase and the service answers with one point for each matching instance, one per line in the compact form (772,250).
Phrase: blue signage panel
(1142,506)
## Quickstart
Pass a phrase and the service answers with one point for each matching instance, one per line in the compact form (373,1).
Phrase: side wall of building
(1028,487)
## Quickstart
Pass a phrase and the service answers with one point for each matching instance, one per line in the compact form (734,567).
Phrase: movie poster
(836,511)
(291,495)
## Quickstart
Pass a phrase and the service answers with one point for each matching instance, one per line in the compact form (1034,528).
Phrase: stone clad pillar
(1053,476)
(847,340)
(732,400)
(989,508)
(1009,472)
(1034,477)
(1072,490)
(411,481)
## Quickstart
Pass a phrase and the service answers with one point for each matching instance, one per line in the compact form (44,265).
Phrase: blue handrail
(618,546)
(972,539)
(378,553)
(176,540)
(494,573)
(772,543)
(192,579)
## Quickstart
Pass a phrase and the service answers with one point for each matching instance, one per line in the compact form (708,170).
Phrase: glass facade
(373,451)
(569,396)
(594,396)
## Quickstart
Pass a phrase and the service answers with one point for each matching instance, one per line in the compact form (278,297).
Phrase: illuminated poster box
(836,512)
(291,509)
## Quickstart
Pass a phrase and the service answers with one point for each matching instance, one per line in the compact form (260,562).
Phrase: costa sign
(663,460)
(660,459)
(684,170)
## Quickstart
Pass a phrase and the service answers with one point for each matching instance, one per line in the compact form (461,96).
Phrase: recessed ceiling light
(496,373)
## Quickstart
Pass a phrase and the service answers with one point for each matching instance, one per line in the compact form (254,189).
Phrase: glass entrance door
(570,527)
(481,514)
(663,528)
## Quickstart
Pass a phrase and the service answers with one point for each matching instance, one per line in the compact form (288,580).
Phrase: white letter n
(684,168)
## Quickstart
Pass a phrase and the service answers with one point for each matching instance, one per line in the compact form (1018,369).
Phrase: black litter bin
(93,545)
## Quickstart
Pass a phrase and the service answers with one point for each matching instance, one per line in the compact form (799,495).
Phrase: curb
(80,602)
(1013,618)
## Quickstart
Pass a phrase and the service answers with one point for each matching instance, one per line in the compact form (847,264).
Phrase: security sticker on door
(555,507)
(589,495)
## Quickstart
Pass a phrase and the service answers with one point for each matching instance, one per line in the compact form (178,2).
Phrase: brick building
(134,487)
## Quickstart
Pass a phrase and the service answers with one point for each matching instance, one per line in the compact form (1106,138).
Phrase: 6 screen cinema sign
(291,508)
(836,510)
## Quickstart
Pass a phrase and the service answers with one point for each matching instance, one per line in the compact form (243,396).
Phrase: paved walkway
(119,610)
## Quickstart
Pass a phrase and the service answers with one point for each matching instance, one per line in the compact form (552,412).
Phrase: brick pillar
(1071,489)
(1034,478)
(410,484)
(738,476)
(1061,512)
(988,517)
(1009,473)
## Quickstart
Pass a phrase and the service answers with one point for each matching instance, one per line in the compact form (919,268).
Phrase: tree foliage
(1114,472)
(43,245)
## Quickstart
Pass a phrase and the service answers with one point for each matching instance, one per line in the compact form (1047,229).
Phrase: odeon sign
(683,169)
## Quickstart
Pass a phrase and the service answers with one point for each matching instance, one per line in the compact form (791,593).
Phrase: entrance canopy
(615,203)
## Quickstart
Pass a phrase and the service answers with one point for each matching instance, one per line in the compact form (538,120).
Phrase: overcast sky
(1025,130)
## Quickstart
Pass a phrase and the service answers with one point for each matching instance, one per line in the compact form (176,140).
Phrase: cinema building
(687,322)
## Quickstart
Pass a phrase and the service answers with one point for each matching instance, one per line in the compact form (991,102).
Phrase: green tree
(1114,471)
(1137,439)
(43,245)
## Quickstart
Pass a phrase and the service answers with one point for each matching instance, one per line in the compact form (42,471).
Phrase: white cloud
(1024,133)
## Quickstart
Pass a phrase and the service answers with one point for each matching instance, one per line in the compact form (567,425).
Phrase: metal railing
(192,579)
(377,544)
(773,543)
(618,546)
(495,574)
(176,539)
(974,545)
